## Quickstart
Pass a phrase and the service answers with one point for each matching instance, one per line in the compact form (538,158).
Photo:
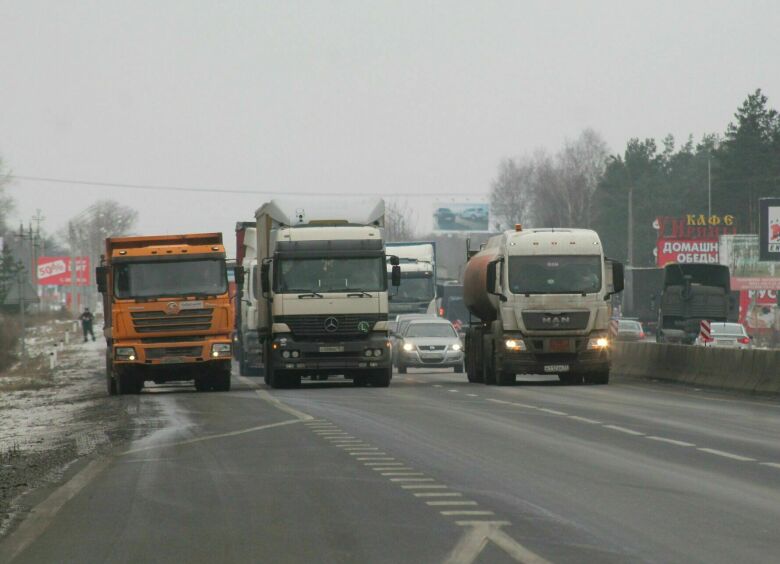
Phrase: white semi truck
(417,292)
(247,347)
(322,308)
(542,297)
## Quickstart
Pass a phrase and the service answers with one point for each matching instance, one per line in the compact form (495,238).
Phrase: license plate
(172,360)
(556,368)
(559,345)
(331,349)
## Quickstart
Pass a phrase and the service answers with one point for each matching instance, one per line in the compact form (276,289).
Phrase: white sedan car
(726,335)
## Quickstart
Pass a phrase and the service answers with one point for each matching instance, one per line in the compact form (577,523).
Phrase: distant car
(726,335)
(444,215)
(629,330)
(474,214)
(400,323)
(429,343)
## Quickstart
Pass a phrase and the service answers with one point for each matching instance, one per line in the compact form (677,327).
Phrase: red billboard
(55,271)
(687,251)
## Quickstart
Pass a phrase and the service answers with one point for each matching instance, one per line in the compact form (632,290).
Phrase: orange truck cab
(169,314)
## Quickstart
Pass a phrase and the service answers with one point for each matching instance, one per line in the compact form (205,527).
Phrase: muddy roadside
(54,411)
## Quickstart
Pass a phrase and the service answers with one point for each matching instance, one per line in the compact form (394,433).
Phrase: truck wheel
(221,378)
(110,380)
(381,378)
(488,368)
(599,378)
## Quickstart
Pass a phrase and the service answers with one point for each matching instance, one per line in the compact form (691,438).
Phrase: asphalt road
(432,469)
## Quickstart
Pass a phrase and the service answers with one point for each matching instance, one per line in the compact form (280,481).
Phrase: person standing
(86,323)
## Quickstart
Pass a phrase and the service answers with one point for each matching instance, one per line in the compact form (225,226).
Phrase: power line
(219,190)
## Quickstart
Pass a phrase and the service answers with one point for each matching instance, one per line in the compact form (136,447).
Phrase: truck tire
(110,380)
(599,378)
(381,378)
(127,382)
(474,372)
(221,377)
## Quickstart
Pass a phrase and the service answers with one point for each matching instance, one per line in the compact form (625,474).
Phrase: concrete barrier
(753,371)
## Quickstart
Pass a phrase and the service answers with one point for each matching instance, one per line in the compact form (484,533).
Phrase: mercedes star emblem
(331,324)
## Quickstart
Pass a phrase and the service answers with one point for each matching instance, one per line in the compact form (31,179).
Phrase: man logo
(363,327)
(331,324)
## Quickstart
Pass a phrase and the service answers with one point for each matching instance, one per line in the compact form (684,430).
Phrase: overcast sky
(357,97)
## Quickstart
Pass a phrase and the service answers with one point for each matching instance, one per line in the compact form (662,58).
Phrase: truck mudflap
(331,356)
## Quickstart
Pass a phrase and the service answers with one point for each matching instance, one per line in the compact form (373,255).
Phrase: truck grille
(154,354)
(159,322)
(330,326)
(543,321)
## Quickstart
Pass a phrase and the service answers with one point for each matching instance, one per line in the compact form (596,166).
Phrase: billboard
(687,251)
(769,229)
(55,271)
(467,217)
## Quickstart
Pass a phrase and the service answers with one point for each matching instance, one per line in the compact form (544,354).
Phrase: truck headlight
(456,347)
(598,343)
(408,347)
(220,349)
(124,353)
(515,344)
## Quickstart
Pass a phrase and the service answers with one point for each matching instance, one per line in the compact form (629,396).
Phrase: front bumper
(330,356)
(556,363)
(165,354)
(437,359)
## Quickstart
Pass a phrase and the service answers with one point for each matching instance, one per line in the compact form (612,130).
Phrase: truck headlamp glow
(124,353)
(598,343)
(408,347)
(456,347)
(515,344)
(220,349)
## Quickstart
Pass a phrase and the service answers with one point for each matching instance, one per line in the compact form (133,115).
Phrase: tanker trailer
(542,297)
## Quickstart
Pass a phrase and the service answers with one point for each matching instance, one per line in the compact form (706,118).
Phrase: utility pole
(631,225)
(20,284)
(72,243)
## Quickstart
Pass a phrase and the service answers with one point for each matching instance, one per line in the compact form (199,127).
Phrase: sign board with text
(687,251)
(55,271)
(769,229)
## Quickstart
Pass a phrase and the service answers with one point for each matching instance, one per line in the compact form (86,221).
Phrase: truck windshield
(414,290)
(564,274)
(365,274)
(170,278)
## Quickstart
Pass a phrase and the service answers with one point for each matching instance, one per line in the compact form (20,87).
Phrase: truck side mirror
(394,260)
(395,274)
(614,278)
(265,277)
(238,272)
(101,277)
(491,279)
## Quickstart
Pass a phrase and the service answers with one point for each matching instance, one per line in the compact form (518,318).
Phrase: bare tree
(105,218)
(511,193)
(6,203)
(400,222)
(581,163)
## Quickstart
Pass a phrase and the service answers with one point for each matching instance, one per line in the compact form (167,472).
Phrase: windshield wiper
(310,295)
(359,294)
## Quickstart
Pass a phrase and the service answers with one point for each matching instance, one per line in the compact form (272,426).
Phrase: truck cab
(417,291)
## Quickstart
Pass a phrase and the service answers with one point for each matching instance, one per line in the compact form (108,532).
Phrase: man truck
(542,298)
(693,293)
(417,292)
(323,291)
(168,311)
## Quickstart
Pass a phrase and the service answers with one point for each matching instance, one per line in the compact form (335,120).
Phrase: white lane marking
(455,391)
(727,455)
(44,513)
(671,441)
(498,401)
(343,440)
(330,433)
(466,512)
(356,448)
(403,473)
(367,453)
(474,541)
(472,395)
(437,385)
(212,437)
(552,411)
(584,420)
(385,468)
(425,487)
(772,464)
(623,430)
(384,464)
(412,480)
(438,494)
(375,458)
(447,503)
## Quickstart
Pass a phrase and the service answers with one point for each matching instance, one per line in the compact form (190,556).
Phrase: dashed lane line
(457,512)
(425,487)
(453,391)
(772,464)
(585,420)
(727,455)
(384,464)
(552,411)
(623,430)
(412,480)
(366,453)
(671,441)
(403,474)
(472,395)
(389,458)
(450,503)
(438,494)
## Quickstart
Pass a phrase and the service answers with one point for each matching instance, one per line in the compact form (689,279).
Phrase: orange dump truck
(168,312)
